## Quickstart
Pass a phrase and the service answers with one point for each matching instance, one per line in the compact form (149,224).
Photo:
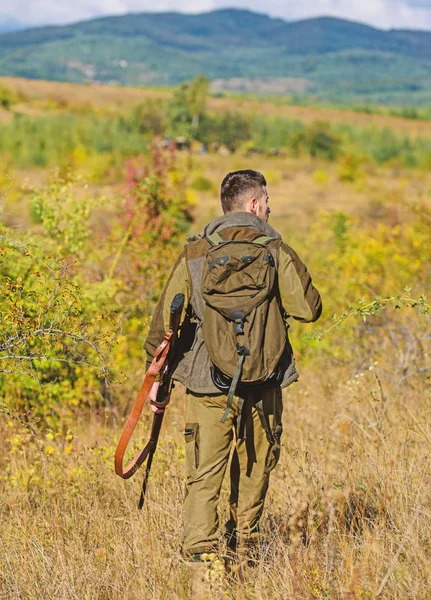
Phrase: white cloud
(381,13)
(59,11)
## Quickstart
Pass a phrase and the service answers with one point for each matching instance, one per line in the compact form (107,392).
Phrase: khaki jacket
(299,298)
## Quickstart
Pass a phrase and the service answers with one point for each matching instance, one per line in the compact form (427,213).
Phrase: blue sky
(412,14)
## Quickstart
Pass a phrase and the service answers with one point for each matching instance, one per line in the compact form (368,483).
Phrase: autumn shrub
(368,272)
(53,343)
(75,300)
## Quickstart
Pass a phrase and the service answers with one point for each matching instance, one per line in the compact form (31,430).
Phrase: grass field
(118,98)
(348,511)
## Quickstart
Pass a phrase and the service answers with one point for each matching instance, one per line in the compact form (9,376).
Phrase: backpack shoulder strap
(215,239)
(264,240)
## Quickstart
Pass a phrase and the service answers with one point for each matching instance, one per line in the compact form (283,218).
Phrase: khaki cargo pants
(208,446)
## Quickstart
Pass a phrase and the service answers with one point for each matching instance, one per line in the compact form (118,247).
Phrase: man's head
(245,191)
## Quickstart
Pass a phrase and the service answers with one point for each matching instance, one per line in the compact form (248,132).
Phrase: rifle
(163,363)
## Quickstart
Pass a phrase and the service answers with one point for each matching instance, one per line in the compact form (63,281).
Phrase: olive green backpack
(243,326)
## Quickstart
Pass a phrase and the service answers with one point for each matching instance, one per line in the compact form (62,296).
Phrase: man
(244,201)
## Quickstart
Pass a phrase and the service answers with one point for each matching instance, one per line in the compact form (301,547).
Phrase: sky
(386,14)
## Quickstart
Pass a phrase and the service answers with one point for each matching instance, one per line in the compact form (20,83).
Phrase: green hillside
(340,60)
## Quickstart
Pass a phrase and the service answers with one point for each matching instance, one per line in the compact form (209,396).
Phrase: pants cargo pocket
(273,455)
(191,434)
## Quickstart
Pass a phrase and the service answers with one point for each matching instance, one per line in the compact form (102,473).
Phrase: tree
(198,94)
(188,106)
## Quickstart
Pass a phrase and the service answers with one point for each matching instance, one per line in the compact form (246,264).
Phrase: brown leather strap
(156,366)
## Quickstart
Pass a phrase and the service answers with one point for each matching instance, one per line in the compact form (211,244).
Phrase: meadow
(94,210)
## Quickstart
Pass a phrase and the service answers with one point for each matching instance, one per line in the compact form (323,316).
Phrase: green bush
(275,132)
(147,117)
(46,141)
(9,97)
(317,140)
(203,184)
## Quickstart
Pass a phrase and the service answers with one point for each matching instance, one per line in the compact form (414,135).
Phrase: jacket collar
(239,219)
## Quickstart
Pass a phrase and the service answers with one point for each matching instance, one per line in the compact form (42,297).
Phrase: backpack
(243,326)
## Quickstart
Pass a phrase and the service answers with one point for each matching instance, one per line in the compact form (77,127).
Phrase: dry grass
(348,508)
(299,189)
(109,97)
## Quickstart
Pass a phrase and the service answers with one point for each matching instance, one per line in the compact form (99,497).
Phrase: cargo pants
(256,438)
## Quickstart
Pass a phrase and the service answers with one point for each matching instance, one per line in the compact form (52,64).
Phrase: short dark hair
(236,185)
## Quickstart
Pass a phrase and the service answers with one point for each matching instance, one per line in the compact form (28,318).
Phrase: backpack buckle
(238,317)
(239,327)
(242,350)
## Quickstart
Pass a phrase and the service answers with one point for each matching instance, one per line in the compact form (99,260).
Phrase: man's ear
(252,203)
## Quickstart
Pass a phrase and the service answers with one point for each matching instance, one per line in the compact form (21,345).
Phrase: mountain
(10,25)
(332,57)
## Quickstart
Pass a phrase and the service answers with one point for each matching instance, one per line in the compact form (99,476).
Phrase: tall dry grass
(347,515)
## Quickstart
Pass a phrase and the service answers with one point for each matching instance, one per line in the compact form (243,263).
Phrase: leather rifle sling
(156,366)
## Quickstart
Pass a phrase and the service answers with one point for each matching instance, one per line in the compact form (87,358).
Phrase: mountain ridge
(336,56)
